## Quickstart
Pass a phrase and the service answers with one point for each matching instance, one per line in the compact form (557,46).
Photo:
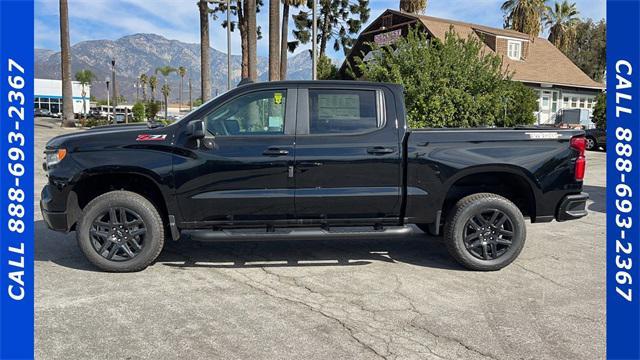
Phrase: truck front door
(348,154)
(245,175)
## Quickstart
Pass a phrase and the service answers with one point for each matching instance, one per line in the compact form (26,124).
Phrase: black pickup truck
(308,160)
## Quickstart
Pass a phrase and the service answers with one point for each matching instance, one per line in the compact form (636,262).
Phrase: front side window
(514,50)
(342,111)
(256,113)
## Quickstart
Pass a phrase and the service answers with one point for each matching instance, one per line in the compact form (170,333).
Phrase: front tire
(120,231)
(485,232)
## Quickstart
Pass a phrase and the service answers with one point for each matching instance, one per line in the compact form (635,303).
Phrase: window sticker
(277,98)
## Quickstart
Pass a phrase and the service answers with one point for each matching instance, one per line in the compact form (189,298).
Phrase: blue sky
(178,19)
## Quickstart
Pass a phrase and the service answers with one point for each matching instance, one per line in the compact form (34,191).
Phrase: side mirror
(195,129)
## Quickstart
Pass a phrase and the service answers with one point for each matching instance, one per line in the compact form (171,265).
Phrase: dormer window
(514,49)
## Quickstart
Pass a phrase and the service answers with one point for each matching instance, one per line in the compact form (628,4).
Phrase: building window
(514,49)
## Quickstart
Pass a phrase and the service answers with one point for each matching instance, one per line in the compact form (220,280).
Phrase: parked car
(309,160)
(596,138)
(42,112)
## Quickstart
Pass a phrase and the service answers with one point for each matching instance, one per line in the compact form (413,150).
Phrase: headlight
(54,157)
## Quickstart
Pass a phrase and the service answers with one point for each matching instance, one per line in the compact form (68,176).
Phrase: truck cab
(312,160)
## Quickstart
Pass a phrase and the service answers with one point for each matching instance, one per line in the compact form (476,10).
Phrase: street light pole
(107,81)
(113,85)
(227,3)
(314,37)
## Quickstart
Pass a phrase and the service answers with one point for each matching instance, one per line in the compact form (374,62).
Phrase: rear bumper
(572,207)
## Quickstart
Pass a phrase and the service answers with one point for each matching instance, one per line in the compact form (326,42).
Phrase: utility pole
(190,100)
(113,85)
(314,37)
(107,81)
(227,3)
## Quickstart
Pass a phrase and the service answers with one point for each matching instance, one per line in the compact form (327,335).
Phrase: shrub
(138,111)
(151,108)
(450,83)
(600,111)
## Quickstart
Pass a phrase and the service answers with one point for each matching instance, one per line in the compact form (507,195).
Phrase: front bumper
(572,207)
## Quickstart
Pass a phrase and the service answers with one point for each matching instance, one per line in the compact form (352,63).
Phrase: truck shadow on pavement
(418,249)
(597,194)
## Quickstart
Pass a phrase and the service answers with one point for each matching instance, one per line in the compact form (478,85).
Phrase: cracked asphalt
(352,299)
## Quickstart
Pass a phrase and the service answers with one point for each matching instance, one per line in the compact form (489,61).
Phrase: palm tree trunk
(181,85)
(325,29)
(84,103)
(284,41)
(274,40)
(166,110)
(242,25)
(65,47)
(205,64)
(252,39)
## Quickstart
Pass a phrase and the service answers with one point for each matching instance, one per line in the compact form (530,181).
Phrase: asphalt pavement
(351,299)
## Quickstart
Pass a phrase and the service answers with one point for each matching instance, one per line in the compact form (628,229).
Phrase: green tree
(151,109)
(144,80)
(413,6)
(84,77)
(182,71)
(519,103)
(524,15)
(153,84)
(588,49)
(600,111)
(450,83)
(338,21)
(166,91)
(561,20)
(326,69)
(138,112)
(245,13)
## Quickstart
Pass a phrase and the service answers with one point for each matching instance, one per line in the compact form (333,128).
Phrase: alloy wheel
(118,234)
(488,234)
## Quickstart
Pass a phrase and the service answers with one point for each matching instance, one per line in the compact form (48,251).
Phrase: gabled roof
(544,63)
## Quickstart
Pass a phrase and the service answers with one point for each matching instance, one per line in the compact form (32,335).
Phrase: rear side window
(342,111)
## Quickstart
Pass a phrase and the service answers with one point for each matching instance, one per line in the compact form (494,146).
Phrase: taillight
(580,144)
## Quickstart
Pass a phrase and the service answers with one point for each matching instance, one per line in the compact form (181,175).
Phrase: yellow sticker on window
(277,98)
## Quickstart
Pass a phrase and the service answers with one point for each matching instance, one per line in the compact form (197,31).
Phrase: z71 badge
(147,137)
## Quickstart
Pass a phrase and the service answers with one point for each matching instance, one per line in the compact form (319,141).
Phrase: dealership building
(48,95)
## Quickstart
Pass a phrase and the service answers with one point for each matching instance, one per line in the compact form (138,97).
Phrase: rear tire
(485,232)
(591,144)
(120,231)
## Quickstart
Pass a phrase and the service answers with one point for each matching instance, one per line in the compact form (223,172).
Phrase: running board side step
(298,234)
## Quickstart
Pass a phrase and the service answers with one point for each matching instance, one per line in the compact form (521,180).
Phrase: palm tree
(166,90)
(205,63)
(274,40)
(252,39)
(165,71)
(153,84)
(182,71)
(68,118)
(84,77)
(524,15)
(144,79)
(413,6)
(284,43)
(562,20)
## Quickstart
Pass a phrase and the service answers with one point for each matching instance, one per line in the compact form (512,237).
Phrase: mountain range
(142,53)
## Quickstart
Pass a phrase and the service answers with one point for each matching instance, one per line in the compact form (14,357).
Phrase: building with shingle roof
(536,62)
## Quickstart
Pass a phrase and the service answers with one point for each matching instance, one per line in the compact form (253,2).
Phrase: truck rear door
(348,154)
